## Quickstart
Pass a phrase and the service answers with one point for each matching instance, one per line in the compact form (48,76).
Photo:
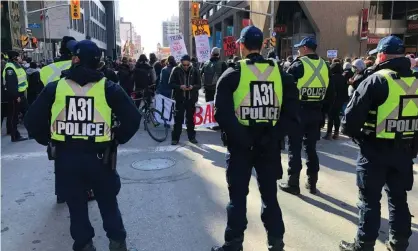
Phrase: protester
(144,78)
(340,98)
(288,62)
(108,73)
(157,68)
(35,84)
(163,87)
(359,68)
(211,71)
(185,81)
(347,71)
(125,76)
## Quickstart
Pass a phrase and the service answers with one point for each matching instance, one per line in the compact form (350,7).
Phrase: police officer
(312,76)
(75,113)
(52,72)
(14,76)
(382,118)
(252,102)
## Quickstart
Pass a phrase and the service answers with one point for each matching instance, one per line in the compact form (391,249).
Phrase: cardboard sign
(202,48)
(200,27)
(177,46)
(332,53)
(230,46)
(203,117)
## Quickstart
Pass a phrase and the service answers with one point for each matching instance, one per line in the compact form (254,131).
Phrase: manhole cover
(153,164)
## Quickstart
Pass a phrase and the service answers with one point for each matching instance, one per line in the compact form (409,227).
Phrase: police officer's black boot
(119,246)
(352,246)
(291,186)
(311,183)
(275,244)
(216,248)
(89,247)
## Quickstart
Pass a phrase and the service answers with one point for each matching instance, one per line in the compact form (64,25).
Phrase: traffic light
(195,10)
(75,9)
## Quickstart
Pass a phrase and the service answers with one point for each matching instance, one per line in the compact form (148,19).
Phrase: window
(204,16)
(210,12)
(218,7)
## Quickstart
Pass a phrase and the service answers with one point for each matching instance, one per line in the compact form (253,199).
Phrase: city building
(127,35)
(97,18)
(170,27)
(356,28)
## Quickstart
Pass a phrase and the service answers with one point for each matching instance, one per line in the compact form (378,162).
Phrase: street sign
(34,26)
(273,34)
(332,53)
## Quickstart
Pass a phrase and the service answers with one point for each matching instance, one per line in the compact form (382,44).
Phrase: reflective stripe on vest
(81,112)
(314,83)
(258,97)
(397,117)
(21,77)
(52,72)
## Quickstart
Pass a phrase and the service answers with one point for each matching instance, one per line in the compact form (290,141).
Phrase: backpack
(211,72)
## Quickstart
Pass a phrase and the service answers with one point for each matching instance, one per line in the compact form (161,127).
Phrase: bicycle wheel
(156,125)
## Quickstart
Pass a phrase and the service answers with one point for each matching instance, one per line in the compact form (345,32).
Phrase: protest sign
(230,47)
(177,46)
(200,27)
(202,48)
(332,53)
(204,115)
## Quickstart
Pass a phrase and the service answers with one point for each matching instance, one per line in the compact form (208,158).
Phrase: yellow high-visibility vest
(397,117)
(259,96)
(81,112)
(314,83)
(52,72)
(22,79)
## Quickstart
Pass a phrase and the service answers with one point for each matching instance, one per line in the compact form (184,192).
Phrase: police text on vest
(80,118)
(262,103)
(313,91)
(402,125)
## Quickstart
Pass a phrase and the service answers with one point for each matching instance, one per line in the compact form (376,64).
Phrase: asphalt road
(182,207)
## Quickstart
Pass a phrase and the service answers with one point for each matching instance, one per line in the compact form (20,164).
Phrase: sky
(147,17)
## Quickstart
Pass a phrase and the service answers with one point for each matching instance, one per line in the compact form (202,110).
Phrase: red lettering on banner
(198,115)
(208,114)
(213,113)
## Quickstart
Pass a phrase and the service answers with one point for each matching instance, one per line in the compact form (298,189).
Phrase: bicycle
(154,122)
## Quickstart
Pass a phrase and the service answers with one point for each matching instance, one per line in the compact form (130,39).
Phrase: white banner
(202,48)
(204,115)
(177,46)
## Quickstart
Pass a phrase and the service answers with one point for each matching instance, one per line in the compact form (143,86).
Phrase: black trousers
(4,112)
(209,95)
(13,109)
(240,163)
(188,108)
(334,118)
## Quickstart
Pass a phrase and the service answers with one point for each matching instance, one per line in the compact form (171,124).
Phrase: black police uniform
(80,163)
(308,133)
(381,163)
(14,106)
(249,147)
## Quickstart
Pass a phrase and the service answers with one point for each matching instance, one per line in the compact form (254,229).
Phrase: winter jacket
(126,78)
(163,87)
(35,84)
(144,76)
(180,77)
(211,71)
(110,74)
(340,84)
(157,68)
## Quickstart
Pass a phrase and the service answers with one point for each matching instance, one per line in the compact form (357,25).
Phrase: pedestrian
(86,157)
(164,87)
(16,83)
(125,76)
(359,69)
(52,71)
(312,76)
(144,79)
(108,72)
(374,119)
(185,82)
(252,127)
(157,68)
(210,72)
(347,72)
(338,81)
(288,62)
(35,84)
(195,63)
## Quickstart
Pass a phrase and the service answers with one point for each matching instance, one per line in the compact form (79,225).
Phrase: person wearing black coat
(144,77)
(185,81)
(125,77)
(35,84)
(340,98)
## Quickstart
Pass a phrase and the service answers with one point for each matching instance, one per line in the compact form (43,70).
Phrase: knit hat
(64,41)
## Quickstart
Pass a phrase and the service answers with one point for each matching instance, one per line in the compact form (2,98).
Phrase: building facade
(356,28)
(170,27)
(97,18)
